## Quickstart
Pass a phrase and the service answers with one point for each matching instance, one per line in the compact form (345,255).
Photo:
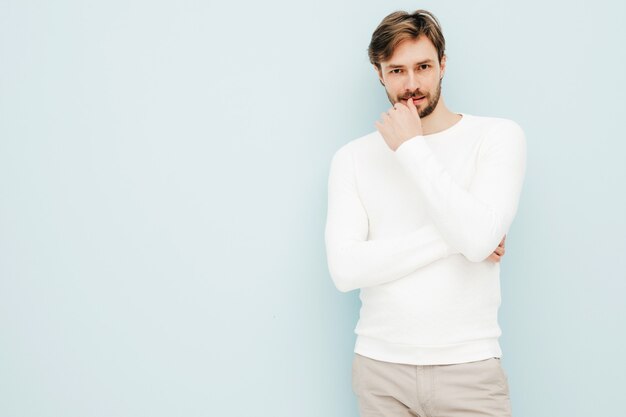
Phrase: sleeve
(475,220)
(355,262)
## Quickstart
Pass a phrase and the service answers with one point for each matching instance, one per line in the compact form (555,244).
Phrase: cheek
(394,86)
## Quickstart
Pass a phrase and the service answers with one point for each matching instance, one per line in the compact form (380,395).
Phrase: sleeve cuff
(413,151)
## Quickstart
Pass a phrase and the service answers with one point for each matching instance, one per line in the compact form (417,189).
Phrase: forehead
(411,51)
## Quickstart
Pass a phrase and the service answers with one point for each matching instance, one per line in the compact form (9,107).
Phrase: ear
(442,66)
(379,73)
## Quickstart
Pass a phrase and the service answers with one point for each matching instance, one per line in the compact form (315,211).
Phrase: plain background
(163,173)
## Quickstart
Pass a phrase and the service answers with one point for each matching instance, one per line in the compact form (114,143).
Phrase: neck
(440,119)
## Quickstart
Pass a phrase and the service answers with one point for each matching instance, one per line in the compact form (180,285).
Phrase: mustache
(416,94)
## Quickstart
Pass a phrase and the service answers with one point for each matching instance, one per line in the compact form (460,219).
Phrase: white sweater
(413,228)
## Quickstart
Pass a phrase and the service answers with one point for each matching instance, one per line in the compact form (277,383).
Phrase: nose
(411,83)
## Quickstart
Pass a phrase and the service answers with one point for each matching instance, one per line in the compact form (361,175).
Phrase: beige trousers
(470,389)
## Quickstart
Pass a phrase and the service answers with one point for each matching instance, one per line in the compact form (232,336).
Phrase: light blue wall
(163,171)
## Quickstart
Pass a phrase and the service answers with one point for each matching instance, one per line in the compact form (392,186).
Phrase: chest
(392,201)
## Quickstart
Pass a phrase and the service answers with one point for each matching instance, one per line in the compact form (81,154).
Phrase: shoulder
(498,132)
(366,144)
(488,123)
(497,125)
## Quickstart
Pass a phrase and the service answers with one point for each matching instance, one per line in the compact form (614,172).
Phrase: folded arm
(472,221)
(353,260)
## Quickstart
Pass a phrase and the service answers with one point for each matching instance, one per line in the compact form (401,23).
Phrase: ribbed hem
(471,351)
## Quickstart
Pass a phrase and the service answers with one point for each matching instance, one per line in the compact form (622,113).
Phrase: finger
(494,257)
(411,105)
(499,251)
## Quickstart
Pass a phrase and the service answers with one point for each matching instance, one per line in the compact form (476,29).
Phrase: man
(415,210)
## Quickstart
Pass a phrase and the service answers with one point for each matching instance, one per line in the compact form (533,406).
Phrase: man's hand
(499,252)
(399,124)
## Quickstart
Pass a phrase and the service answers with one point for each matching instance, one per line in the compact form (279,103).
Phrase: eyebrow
(426,61)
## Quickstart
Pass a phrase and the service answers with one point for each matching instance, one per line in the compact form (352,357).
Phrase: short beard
(432,103)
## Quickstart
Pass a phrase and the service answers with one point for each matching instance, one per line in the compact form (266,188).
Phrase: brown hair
(399,26)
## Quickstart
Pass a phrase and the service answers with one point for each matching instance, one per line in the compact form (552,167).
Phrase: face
(413,72)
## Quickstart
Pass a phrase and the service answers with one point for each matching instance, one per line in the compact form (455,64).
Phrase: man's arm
(472,221)
(355,262)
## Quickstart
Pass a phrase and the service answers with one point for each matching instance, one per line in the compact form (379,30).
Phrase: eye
(424,66)
(395,71)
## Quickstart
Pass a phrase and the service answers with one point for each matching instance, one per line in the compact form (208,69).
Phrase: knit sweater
(412,230)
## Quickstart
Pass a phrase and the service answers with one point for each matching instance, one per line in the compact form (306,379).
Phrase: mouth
(416,100)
